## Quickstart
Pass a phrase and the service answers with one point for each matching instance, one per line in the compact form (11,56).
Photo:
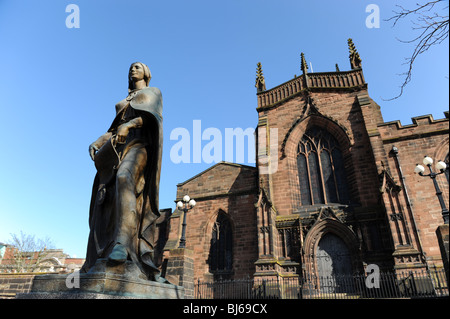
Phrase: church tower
(328,199)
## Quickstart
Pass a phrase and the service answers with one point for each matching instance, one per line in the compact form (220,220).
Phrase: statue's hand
(92,150)
(122,133)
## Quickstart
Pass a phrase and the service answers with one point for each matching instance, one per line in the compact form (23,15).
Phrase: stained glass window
(321,169)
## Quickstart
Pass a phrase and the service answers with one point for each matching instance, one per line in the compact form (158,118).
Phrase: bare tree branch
(433,27)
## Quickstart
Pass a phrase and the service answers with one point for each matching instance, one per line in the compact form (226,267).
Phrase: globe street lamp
(441,166)
(185,205)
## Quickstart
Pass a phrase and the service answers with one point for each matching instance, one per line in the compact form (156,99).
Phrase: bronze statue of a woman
(124,202)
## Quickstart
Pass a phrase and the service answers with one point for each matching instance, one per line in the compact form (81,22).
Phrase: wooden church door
(334,264)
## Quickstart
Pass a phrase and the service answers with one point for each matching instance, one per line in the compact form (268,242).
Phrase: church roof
(221,179)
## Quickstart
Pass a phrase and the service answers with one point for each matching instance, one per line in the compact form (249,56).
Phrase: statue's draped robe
(146,103)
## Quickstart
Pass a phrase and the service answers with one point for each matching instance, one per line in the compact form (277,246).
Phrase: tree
(431,21)
(26,253)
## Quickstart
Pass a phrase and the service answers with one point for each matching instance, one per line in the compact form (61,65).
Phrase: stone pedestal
(442,234)
(180,270)
(123,281)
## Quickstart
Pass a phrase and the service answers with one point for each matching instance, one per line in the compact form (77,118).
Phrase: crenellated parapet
(315,81)
(348,80)
(422,126)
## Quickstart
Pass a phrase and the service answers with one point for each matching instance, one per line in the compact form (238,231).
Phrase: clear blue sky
(58,86)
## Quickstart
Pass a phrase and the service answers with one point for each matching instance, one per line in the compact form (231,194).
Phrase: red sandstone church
(338,193)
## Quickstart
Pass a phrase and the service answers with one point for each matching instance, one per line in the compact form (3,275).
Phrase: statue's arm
(125,128)
(94,147)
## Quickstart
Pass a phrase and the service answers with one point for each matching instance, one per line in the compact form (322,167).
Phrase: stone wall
(12,284)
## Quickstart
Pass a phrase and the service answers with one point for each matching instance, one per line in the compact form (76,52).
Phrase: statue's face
(136,72)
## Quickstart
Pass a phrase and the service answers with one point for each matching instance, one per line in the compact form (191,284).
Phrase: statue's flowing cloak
(147,103)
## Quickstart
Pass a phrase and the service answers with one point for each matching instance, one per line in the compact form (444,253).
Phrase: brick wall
(224,188)
(425,136)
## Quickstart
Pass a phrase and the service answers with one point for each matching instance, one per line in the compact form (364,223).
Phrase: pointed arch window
(221,251)
(321,169)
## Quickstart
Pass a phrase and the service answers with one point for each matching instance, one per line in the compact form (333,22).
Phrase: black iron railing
(413,284)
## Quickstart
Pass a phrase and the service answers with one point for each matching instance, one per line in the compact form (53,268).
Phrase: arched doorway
(334,264)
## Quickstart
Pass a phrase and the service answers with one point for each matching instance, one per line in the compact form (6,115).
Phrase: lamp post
(185,206)
(441,166)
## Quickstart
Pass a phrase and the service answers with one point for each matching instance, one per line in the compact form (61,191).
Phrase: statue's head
(138,71)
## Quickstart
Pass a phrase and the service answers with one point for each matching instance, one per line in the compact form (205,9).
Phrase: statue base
(103,281)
